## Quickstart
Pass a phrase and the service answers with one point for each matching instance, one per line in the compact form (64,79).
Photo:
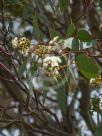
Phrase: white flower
(97,81)
(15,42)
(54,40)
(53,60)
(24,52)
(22,44)
(58,45)
(92,80)
(51,65)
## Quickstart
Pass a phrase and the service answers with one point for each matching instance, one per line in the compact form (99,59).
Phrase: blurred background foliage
(67,106)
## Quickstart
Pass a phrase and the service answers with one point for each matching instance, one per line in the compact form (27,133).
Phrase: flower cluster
(96,104)
(15,42)
(41,50)
(50,63)
(22,44)
(51,66)
(58,45)
(96,82)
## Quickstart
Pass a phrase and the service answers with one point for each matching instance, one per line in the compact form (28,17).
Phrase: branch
(85,103)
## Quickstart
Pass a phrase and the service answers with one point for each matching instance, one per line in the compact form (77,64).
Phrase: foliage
(49,55)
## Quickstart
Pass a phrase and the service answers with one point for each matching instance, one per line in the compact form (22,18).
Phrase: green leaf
(87,66)
(100,3)
(84,36)
(14,1)
(17,9)
(61,98)
(33,70)
(99,131)
(54,33)
(93,42)
(38,33)
(87,44)
(71,30)
(75,44)
(63,4)
(26,9)
(72,72)
(22,68)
